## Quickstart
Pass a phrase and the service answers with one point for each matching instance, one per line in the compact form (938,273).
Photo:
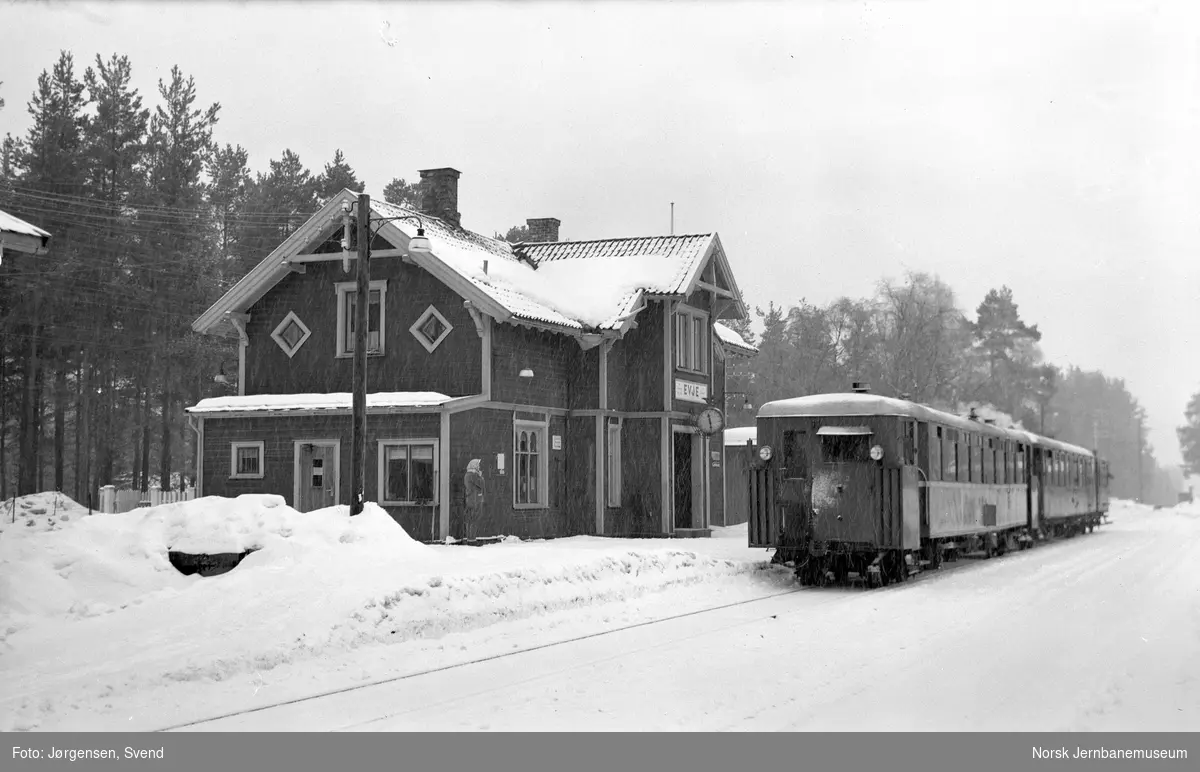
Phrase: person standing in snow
(473,482)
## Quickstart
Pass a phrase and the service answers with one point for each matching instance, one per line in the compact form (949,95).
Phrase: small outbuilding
(740,445)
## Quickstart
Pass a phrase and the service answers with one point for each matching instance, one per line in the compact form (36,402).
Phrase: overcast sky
(1049,146)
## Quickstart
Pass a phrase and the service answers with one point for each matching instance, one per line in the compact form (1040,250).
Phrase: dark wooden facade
(582,396)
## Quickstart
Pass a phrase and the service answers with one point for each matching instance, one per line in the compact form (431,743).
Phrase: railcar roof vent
(973,415)
(990,421)
(860,387)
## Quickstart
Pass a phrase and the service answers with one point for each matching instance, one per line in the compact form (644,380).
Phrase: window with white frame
(612,460)
(246,460)
(347,297)
(530,464)
(430,329)
(291,334)
(691,339)
(408,472)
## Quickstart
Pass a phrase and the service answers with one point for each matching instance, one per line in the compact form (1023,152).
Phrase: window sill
(531,506)
(689,371)
(343,355)
(246,477)
(408,503)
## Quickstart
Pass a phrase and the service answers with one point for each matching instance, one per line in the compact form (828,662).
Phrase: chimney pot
(543,230)
(439,194)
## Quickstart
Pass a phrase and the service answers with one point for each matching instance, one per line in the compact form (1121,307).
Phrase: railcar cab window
(845,444)
(795,463)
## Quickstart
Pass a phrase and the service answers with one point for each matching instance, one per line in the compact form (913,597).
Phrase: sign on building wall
(690,391)
(556,442)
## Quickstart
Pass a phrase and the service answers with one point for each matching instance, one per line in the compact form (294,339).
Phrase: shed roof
(17,234)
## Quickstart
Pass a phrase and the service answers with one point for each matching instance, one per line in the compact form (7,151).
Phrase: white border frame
(543,463)
(415,330)
(277,335)
(337,468)
(262,459)
(381,488)
(341,290)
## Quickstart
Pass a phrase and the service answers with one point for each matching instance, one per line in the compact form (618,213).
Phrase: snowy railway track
(834,595)
(467,663)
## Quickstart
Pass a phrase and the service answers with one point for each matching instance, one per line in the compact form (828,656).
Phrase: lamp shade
(419,244)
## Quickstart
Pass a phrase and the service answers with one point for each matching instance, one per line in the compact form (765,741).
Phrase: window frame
(686,344)
(237,445)
(381,465)
(277,334)
(343,290)
(542,430)
(416,332)
(612,461)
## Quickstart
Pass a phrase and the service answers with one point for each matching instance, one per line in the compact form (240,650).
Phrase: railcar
(863,486)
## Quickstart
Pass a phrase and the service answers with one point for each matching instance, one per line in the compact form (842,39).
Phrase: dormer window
(347,294)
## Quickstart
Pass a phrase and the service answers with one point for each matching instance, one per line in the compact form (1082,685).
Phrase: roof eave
(262,277)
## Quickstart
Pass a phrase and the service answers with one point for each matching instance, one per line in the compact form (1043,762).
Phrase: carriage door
(910,492)
(316,475)
(1035,487)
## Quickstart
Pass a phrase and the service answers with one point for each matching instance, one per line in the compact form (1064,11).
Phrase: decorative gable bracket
(239,322)
(476,316)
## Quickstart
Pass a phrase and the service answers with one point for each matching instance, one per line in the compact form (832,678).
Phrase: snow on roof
(569,285)
(739,435)
(730,337)
(10,224)
(335,401)
(833,405)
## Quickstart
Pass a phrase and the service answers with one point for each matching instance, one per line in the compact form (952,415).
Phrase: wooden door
(316,476)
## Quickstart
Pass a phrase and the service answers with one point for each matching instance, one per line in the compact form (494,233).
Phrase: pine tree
(1189,435)
(180,150)
(402,193)
(337,177)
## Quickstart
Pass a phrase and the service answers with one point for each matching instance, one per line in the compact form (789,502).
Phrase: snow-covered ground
(1096,632)
(98,630)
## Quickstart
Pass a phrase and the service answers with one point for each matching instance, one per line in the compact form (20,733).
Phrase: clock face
(710,421)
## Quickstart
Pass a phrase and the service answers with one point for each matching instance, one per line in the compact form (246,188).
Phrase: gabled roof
(572,287)
(17,234)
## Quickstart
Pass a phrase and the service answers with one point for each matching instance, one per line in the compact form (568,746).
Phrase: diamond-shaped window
(431,329)
(291,334)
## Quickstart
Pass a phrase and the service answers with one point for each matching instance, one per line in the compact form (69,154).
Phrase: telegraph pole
(358,441)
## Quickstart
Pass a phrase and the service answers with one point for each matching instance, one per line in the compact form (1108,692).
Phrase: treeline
(151,221)
(912,340)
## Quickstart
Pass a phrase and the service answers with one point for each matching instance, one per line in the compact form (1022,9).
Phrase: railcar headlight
(877,453)
(765,452)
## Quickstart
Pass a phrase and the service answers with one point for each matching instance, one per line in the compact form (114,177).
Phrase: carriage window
(794,463)
(976,460)
(935,455)
(1020,462)
(845,448)
(988,471)
(950,457)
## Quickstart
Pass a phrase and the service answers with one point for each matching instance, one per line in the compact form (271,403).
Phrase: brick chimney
(439,194)
(543,230)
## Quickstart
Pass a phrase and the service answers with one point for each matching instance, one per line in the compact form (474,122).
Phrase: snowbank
(95,608)
(95,565)
(39,512)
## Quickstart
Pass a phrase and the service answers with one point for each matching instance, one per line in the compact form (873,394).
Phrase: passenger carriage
(859,485)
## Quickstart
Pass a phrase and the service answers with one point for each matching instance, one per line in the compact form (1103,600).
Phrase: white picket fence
(113,501)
